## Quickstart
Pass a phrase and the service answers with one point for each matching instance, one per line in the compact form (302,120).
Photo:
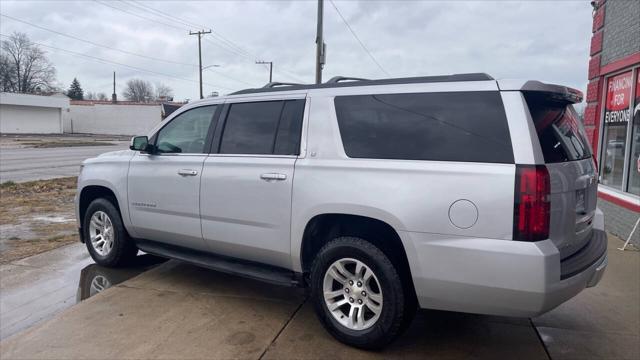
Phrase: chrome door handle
(273,176)
(187,172)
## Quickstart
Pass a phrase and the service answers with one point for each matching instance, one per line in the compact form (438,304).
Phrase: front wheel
(105,236)
(358,294)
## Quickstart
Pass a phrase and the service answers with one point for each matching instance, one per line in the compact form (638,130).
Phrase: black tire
(394,315)
(124,250)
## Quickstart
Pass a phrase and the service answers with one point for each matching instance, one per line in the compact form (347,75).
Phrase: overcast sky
(543,40)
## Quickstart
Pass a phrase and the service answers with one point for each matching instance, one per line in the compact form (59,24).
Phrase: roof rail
(277,86)
(275,83)
(337,79)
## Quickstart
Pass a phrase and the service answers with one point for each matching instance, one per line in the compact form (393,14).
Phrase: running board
(233,266)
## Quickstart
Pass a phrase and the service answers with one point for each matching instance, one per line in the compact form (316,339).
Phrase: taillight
(532,207)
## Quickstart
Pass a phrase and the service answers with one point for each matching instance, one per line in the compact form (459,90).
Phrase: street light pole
(200,33)
(270,68)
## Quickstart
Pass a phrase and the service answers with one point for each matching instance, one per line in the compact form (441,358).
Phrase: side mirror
(139,143)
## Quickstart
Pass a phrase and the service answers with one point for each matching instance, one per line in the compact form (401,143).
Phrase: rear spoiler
(555,92)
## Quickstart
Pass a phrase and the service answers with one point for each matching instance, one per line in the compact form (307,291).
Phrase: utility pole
(320,45)
(270,68)
(114,96)
(200,33)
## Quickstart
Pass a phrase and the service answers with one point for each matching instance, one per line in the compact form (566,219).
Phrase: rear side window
(268,127)
(454,126)
(561,134)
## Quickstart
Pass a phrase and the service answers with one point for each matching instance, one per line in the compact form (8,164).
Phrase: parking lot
(177,311)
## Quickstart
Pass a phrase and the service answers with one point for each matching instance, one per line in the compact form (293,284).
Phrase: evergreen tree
(75,90)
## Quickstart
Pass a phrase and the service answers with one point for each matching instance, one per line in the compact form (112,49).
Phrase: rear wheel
(105,236)
(357,293)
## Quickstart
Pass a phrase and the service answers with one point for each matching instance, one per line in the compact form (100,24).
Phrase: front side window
(453,126)
(187,132)
(263,128)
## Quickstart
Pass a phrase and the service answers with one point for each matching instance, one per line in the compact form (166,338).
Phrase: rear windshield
(454,126)
(561,134)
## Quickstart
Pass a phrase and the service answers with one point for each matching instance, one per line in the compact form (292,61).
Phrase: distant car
(451,192)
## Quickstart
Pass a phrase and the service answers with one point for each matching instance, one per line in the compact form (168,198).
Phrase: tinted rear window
(263,128)
(561,134)
(251,128)
(455,126)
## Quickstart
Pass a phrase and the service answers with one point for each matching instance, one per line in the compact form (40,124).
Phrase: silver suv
(455,192)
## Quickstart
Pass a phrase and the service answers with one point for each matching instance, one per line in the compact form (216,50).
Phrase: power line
(357,38)
(235,52)
(192,24)
(96,44)
(156,21)
(143,7)
(229,77)
(139,16)
(115,49)
(152,72)
(229,45)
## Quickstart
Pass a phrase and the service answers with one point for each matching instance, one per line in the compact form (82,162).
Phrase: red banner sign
(618,99)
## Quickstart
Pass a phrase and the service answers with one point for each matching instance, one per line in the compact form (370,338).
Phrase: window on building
(616,121)
(620,156)
(634,164)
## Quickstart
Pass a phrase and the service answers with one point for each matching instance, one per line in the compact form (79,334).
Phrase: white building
(33,114)
(107,118)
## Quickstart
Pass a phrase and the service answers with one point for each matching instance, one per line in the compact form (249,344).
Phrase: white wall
(30,119)
(111,119)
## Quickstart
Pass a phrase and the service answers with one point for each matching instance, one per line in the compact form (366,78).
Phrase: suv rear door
(573,175)
(245,198)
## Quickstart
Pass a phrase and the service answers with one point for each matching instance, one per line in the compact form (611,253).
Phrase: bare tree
(24,67)
(138,90)
(164,92)
(101,96)
(90,95)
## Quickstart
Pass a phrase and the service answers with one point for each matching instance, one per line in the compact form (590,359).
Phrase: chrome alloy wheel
(352,294)
(101,233)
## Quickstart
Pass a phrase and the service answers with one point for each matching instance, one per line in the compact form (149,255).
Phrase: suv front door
(247,181)
(164,187)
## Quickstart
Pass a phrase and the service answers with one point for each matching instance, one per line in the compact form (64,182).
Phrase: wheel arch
(91,192)
(322,228)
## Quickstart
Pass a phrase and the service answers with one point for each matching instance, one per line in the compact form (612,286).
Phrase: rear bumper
(500,277)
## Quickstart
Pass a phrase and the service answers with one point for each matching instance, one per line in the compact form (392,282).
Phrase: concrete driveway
(179,311)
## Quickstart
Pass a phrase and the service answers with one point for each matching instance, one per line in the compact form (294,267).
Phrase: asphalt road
(26,164)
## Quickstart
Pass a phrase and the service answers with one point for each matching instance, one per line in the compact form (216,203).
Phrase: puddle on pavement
(32,294)
(95,278)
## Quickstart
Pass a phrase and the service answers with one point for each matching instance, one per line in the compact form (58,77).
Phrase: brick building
(612,115)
